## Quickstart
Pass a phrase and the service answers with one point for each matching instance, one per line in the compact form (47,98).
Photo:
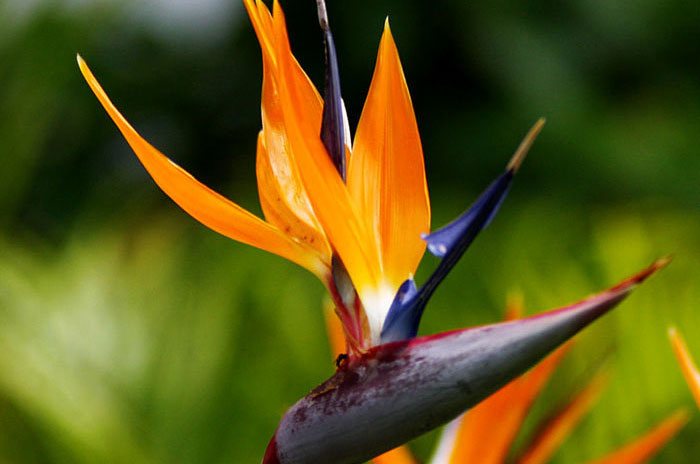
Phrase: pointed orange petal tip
(525,145)
(84,69)
(386,174)
(199,201)
(559,427)
(688,366)
(645,447)
(277,9)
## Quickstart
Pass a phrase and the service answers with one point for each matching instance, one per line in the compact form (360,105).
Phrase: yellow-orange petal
(332,204)
(310,104)
(283,197)
(688,366)
(202,203)
(262,24)
(386,176)
(487,432)
(334,328)
(645,447)
(559,427)
(400,455)
(286,206)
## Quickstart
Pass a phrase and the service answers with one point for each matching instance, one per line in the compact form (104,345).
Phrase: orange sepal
(487,431)
(202,203)
(283,197)
(348,235)
(386,176)
(559,427)
(646,446)
(262,24)
(688,366)
(285,206)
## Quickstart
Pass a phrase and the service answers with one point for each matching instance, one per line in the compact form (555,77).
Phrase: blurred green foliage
(129,333)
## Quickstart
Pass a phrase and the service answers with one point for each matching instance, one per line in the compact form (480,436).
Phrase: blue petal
(448,238)
(401,323)
(448,243)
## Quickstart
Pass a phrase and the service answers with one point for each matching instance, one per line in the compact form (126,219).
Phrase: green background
(130,333)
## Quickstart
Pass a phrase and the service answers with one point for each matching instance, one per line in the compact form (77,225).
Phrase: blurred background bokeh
(130,333)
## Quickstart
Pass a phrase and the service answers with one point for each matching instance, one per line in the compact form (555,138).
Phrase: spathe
(400,390)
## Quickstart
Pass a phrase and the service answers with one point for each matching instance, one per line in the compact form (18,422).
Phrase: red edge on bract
(644,274)
(617,290)
(271,456)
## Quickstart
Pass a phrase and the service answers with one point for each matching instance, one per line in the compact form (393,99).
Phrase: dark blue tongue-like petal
(332,130)
(450,243)
(402,322)
(458,234)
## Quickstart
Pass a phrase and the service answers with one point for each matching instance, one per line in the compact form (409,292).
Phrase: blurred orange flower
(688,366)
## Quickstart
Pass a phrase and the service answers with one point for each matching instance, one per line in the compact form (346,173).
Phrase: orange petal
(487,431)
(559,427)
(334,328)
(202,203)
(331,202)
(283,197)
(310,102)
(646,446)
(286,206)
(262,24)
(386,176)
(400,455)
(688,366)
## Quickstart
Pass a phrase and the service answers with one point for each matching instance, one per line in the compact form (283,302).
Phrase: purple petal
(401,390)
(401,323)
(455,237)
(332,128)
(450,243)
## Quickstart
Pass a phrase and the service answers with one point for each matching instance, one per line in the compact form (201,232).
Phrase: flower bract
(486,433)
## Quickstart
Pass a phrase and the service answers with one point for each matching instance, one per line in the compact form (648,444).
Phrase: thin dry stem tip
(663,261)
(322,14)
(524,147)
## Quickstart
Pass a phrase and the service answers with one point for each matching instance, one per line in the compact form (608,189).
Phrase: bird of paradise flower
(357,215)
(358,219)
(487,432)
